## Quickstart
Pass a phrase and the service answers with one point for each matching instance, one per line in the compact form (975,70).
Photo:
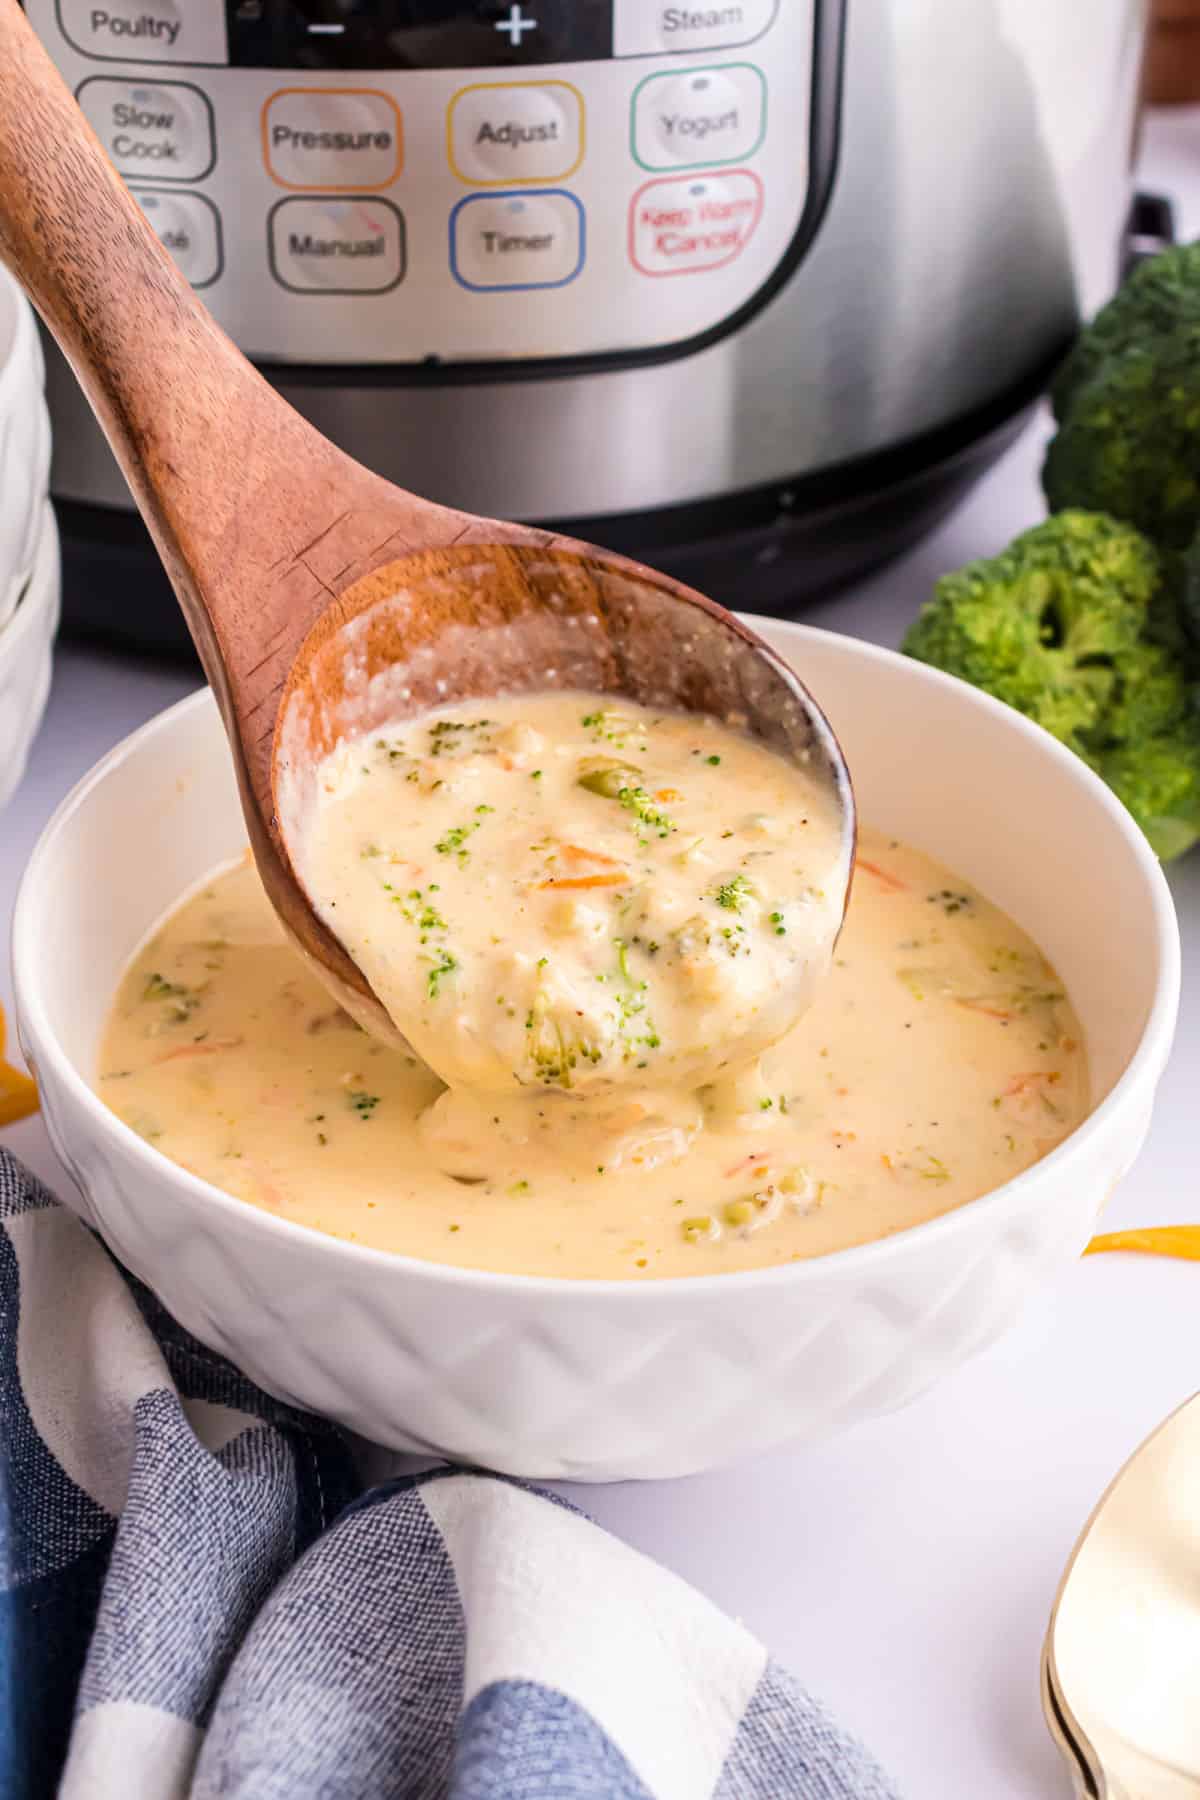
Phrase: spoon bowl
(1122,1654)
(321,598)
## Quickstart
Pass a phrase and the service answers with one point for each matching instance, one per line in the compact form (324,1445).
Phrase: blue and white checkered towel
(198,1596)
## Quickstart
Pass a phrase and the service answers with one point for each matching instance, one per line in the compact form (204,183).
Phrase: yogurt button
(176,31)
(189,228)
(704,117)
(350,245)
(648,27)
(163,129)
(510,131)
(517,240)
(336,139)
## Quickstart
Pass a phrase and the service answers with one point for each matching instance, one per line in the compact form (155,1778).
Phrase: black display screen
(416,34)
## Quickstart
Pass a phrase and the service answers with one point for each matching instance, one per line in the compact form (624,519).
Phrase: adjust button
(332,138)
(189,227)
(352,245)
(158,128)
(647,27)
(508,241)
(699,119)
(172,31)
(505,131)
(698,222)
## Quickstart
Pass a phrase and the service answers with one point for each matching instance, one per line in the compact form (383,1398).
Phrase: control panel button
(648,27)
(502,132)
(526,240)
(173,31)
(352,245)
(332,138)
(189,227)
(163,128)
(695,223)
(701,118)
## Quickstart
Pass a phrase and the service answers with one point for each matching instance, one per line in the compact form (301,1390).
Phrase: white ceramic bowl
(607,1380)
(26,643)
(24,445)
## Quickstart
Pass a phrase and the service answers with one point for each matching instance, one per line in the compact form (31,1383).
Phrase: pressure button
(162,130)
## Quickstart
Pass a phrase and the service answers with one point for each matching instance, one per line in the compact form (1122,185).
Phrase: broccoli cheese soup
(939,1058)
(547,891)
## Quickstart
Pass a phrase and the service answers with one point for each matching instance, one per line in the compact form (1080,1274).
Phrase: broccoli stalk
(1064,626)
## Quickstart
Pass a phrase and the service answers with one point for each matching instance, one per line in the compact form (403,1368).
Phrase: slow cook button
(332,138)
(683,227)
(188,226)
(527,240)
(505,131)
(648,27)
(163,129)
(352,245)
(178,31)
(704,117)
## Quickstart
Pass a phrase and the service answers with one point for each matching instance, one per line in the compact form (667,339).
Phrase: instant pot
(752,290)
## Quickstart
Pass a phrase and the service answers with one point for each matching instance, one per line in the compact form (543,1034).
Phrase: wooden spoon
(321,598)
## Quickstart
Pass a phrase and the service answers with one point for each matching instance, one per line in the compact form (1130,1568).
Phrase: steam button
(171,31)
(161,129)
(648,27)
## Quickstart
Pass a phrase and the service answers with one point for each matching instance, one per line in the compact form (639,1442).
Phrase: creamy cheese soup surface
(939,1058)
(558,891)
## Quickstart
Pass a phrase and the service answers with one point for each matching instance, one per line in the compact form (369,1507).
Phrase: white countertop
(904,1571)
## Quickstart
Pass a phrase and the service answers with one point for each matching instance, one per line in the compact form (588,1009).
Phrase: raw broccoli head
(1129,442)
(1161,293)
(1061,625)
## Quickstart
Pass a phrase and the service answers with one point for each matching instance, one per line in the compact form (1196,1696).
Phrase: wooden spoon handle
(247,503)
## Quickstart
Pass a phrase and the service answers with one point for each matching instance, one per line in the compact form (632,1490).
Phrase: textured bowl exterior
(26,646)
(583,1380)
(24,445)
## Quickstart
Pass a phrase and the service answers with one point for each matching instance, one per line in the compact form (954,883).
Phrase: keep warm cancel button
(683,226)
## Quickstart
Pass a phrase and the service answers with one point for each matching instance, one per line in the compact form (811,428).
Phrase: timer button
(352,245)
(698,222)
(189,228)
(516,241)
(648,27)
(162,129)
(502,132)
(174,31)
(332,138)
(701,119)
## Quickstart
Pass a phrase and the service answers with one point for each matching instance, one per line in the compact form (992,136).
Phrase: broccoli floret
(1161,293)
(1064,626)
(1128,404)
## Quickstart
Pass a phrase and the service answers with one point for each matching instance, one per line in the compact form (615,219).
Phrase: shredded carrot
(668,794)
(1181,1241)
(1021,1084)
(211,1047)
(584,881)
(889,881)
(576,853)
(272,1194)
(991,1012)
(746,1162)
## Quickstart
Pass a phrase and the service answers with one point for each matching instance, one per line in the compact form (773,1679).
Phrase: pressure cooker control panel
(423,180)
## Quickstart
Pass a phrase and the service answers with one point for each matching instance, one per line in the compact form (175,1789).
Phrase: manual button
(526,240)
(178,31)
(162,129)
(352,245)
(332,138)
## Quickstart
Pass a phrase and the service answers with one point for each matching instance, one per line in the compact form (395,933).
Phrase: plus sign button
(541,31)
